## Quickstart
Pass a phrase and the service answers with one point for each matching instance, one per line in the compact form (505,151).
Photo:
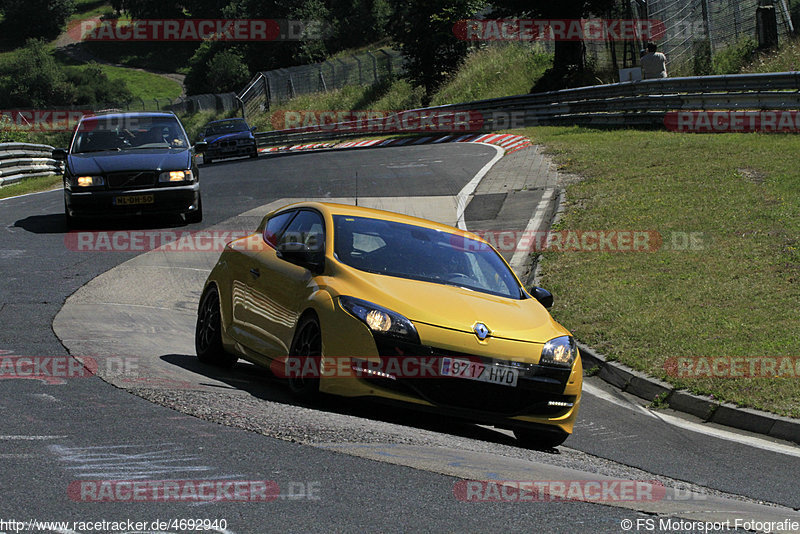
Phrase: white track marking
(750,441)
(520,257)
(467,190)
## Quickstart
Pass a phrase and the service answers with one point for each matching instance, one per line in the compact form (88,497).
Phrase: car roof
(227,120)
(371,213)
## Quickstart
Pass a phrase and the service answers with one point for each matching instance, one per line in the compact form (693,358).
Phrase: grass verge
(734,295)
(32,185)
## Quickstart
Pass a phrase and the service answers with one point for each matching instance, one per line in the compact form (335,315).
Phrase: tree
(424,31)
(35,80)
(34,18)
(569,62)
(227,72)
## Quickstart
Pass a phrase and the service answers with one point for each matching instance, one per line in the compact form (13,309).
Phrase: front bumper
(104,203)
(544,395)
(215,152)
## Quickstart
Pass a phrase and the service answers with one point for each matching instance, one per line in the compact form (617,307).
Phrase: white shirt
(654,65)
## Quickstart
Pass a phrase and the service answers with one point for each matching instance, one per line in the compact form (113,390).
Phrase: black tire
(255,153)
(195,216)
(540,439)
(307,343)
(208,332)
(207,161)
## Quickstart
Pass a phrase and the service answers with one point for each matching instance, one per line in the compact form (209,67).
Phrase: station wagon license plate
(493,374)
(132,200)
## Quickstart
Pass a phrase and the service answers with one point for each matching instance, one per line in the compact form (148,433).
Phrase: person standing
(654,63)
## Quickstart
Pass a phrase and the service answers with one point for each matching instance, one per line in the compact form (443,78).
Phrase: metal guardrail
(20,161)
(642,104)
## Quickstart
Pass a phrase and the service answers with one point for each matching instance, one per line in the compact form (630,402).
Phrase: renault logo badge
(481,330)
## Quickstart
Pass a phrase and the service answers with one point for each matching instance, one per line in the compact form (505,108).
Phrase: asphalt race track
(343,466)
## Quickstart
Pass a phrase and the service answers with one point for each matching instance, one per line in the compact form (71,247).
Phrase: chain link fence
(697,29)
(274,87)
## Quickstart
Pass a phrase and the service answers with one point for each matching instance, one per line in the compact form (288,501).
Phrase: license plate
(131,200)
(493,374)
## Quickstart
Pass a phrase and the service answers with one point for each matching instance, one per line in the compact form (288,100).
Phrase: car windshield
(419,253)
(227,127)
(128,133)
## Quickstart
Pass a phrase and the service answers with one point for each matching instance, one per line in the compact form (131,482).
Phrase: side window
(307,228)
(275,225)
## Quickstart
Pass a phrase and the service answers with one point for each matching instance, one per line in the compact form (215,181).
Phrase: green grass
(786,58)
(494,72)
(143,85)
(31,185)
(737,296)
(487,73)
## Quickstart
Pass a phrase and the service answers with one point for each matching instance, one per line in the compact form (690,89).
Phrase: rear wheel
(540,439)
(307,345)
(208,332)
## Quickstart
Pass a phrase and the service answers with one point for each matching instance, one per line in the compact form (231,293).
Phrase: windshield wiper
(99,150)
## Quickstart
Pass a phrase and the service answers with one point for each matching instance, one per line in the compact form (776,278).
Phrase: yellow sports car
(364,303)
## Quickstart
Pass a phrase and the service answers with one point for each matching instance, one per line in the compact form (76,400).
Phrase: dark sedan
(122,164)
(229,138)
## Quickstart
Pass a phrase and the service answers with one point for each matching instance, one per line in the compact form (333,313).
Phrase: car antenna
(356,188)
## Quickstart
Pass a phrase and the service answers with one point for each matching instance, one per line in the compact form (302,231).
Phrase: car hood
(227,137)
(132,160)
(454,308)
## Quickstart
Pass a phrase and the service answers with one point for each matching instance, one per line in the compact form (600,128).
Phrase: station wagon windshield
(113,134)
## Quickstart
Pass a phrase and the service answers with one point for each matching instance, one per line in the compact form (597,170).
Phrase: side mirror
(60,154)
(302,255)
(252,128)
(544,297)
(200,147)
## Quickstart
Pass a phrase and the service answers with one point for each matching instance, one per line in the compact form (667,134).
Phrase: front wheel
(208,332)
(307,345)
(197,215)
(540,439)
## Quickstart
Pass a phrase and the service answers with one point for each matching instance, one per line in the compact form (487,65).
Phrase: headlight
(175,176)
(89,181)
(379,319)
(559,351)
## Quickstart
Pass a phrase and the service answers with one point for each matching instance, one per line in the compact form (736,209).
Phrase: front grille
(537,385)
(131,180)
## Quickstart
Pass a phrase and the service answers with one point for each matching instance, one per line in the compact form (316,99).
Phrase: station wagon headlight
(559,351)
(89,181)
(175,176)
(379,319)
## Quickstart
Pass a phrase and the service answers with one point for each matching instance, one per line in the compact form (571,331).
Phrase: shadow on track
(262,384)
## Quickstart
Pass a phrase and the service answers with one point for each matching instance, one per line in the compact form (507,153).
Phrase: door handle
(255,273)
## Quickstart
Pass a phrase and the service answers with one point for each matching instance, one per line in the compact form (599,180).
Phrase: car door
(248,304)
(283,288)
